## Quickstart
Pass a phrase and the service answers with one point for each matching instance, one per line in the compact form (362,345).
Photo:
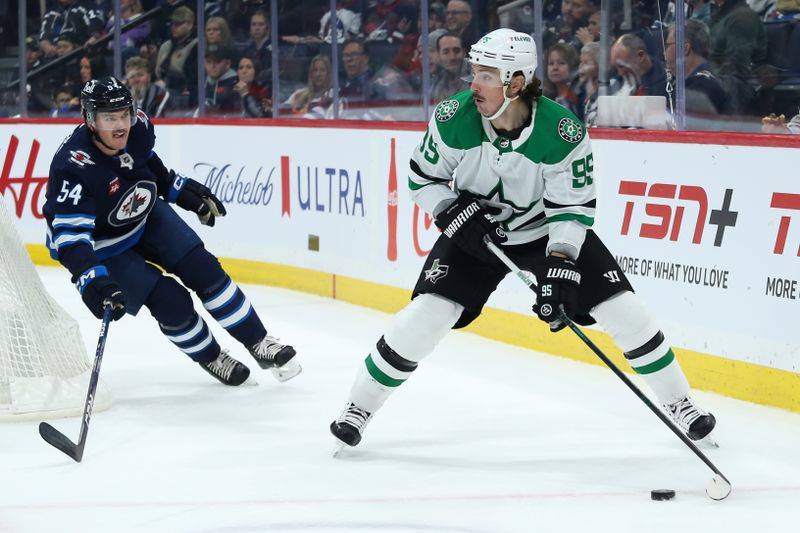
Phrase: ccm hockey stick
(58,439)
(718,488)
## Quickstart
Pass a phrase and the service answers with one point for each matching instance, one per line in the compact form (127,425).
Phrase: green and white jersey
(541,181)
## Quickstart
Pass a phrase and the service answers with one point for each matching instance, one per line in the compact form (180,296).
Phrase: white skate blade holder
(287,371)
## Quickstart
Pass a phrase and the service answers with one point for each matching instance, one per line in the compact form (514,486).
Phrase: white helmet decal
(508,51)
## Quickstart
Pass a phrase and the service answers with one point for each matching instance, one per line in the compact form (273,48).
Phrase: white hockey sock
(412,335)
(634,330)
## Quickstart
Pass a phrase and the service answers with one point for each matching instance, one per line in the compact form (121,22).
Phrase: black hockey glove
(559,281)
(466,222)
(97,289)
(194,196)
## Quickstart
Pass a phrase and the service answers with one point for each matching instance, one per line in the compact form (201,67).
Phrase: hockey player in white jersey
(504,161)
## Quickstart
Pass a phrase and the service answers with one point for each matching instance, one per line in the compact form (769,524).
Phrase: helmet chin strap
(506,102)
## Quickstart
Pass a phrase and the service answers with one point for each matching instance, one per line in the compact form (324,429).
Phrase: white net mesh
(44,369)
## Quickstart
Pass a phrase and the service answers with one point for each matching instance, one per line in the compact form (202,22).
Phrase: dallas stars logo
(446,110)
(436,272)
(570,130)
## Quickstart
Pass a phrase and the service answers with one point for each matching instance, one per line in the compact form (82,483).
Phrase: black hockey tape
(662,494)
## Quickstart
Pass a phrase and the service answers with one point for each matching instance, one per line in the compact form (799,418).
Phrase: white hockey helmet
(507,50)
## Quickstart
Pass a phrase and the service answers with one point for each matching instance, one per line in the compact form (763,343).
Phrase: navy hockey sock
(231,308)
(194,339)
(171,305)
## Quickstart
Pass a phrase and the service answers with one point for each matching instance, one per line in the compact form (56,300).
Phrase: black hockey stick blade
(60,441)
(57,439)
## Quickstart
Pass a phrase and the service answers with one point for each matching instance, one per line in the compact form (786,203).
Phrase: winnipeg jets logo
(126,161)
(612,276)
(80,158)
(134,205)
(436,272)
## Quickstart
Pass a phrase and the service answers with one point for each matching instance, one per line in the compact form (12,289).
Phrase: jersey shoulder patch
(458,121)
(446,110)
(556,132)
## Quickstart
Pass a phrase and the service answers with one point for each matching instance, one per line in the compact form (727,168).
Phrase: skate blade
(287,371)
(337,448)
(249,382)
(708,442)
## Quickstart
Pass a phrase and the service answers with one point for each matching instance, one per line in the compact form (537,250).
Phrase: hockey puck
(662,494)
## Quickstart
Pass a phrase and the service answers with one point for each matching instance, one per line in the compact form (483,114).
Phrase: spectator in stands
(591,32)
(452,67)
(40,94)
(240,14)
(259,46)
(66,42)
(90,67)
(700,10)
(414,73)
(704,92)
(149,97)
(255,98)
(218,32)
(221,98)
(777,124)
(80,18)
(66,73)
(348,26)
(458,20)
(561,62)
(576,13)
(638,74)
(738,44)
(357,87)
(176,65)
(388,21)
(132,39)
(785,10)
(316,97)
(436,17)
(65,103)
(161,25)
(588,82)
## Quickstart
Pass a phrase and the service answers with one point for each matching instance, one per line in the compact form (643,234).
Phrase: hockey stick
(719,487)
(58,439)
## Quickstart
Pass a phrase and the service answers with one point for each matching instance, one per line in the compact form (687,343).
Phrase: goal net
(44,369)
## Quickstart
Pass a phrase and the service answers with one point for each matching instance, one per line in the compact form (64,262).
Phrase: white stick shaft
(526,277)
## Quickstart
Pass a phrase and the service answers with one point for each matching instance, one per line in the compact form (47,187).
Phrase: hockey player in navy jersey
(109,221)
(502,161)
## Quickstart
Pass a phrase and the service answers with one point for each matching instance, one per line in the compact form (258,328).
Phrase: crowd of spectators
(728,68)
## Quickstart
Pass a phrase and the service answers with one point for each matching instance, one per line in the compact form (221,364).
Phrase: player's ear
(517,84)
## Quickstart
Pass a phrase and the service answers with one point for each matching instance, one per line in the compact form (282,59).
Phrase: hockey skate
(694,421)
(226,369)
(277,357)
(349,426)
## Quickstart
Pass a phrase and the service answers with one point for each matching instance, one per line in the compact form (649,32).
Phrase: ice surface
(484,437)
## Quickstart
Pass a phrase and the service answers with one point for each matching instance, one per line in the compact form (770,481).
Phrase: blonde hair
(309,93)
(224,29)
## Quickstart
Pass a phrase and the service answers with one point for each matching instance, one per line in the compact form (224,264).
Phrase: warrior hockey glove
(194,196)
(97,289)
(559,282)
(466,222)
